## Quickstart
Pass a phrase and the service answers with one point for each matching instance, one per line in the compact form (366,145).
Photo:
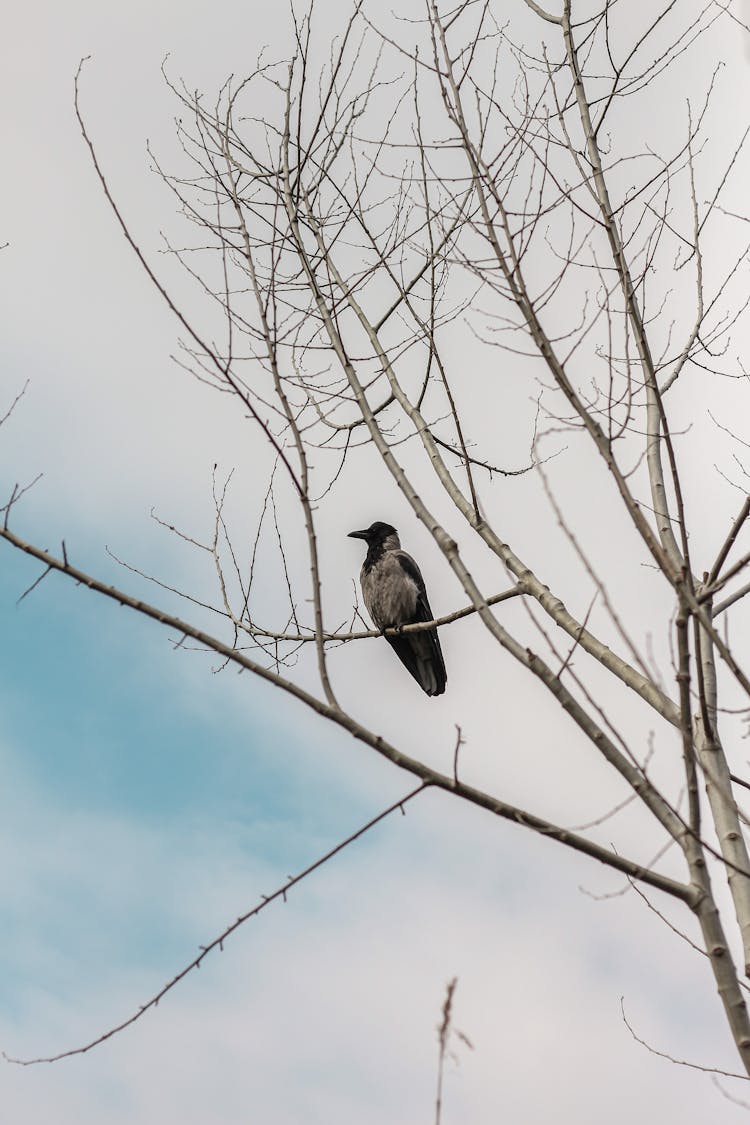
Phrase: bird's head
(376,534)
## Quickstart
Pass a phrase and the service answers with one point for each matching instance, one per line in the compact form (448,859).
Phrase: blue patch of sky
(95,722)
(89,698)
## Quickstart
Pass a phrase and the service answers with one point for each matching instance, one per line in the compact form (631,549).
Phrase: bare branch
(218,942)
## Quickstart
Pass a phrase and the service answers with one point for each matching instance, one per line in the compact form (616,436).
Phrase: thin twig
(218,942)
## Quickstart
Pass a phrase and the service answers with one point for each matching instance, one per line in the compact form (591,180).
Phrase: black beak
(358,535)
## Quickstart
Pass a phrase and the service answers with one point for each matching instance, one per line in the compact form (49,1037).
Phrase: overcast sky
(147,800)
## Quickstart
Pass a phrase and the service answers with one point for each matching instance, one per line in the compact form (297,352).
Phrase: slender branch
(218,942)
(671,1058)
(541,12)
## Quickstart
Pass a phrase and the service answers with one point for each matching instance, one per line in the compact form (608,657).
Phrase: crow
(394,592)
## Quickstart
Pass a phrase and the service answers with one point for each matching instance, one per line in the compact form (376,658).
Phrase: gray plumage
(394,593)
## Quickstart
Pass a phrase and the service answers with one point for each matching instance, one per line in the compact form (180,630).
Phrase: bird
(394,592)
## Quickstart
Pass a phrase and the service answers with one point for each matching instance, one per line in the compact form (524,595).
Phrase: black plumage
(394,592)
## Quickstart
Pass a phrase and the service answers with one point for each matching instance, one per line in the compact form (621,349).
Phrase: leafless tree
(445,238)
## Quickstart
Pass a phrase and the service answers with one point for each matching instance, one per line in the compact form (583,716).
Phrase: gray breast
(389,593)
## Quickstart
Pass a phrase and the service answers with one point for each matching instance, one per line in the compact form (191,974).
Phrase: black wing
(420,653)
